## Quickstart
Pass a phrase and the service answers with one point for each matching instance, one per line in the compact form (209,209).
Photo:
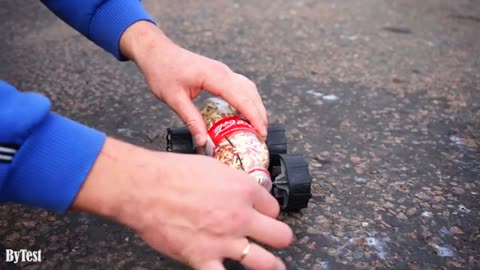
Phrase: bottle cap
(262,177)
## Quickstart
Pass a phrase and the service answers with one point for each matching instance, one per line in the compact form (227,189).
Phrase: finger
(265,203)
(257,257)
(269,231)
(190,115)
(247,107)
(257,98)
(251,88)
(212,265)
(245,98)
(221,81)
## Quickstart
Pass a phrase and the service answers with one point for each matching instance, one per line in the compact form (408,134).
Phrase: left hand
(176,76)
(198,214)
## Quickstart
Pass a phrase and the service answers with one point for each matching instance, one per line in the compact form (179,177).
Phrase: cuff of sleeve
(111,20)
(52,164)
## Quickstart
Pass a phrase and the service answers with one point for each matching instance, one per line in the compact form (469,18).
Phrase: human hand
(191,208)
(177,76)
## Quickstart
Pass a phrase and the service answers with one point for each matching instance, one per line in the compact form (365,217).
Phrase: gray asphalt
(381,97)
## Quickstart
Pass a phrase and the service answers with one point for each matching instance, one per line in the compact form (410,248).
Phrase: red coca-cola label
(226,126)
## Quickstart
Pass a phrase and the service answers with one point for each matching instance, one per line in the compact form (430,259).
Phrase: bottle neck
(262,176)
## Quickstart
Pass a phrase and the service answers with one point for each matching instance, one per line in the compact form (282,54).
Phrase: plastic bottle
(234,141)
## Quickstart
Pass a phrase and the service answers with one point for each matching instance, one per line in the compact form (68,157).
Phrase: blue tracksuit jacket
(44,157)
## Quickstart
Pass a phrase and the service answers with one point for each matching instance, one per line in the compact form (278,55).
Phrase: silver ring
(245,251)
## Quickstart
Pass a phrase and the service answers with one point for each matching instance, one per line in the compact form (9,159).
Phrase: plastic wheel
(276,139)
(291,181)
(233,265)
(179,140)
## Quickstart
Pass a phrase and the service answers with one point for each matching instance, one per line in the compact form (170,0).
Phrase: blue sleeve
(101,21)
(44,157)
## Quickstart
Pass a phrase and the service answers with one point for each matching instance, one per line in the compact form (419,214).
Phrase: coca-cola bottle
(234,141)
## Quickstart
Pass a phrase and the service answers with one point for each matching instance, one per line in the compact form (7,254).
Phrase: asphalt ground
(381,97)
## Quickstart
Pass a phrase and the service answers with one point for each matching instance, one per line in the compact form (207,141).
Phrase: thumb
(192,118)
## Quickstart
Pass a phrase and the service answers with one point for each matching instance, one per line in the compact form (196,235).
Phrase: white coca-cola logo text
(227,125)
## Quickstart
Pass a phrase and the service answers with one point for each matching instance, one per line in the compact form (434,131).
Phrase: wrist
(106,188)
(140,39)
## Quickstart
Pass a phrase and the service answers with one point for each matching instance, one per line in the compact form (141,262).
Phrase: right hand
(191,208)
(177,76)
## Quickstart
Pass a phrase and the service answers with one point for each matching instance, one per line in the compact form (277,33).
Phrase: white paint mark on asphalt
(443,251)
(359,179)
(463,209)
(427,214)
(380,246)
(330,97)
(315,93)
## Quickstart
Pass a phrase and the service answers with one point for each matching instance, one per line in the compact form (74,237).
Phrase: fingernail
(199,140)
(263,131)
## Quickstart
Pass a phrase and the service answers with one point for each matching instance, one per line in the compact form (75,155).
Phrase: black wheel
(233,265)
(276,139)
(291,181)
(179,140)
